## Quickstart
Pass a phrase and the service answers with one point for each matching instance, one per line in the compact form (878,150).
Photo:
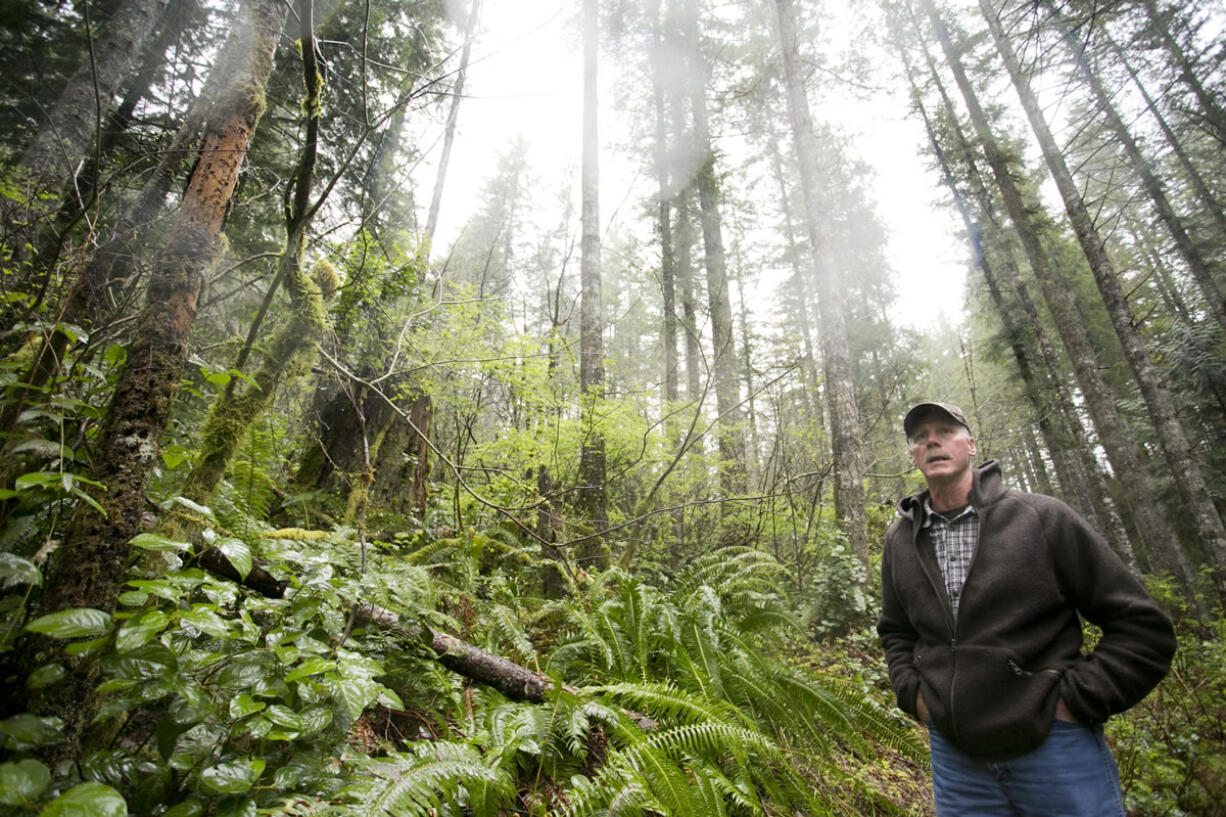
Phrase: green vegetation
(368,542)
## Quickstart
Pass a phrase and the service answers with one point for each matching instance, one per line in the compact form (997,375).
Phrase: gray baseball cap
(921,410)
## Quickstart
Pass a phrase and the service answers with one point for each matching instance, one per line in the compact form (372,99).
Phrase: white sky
(525,78)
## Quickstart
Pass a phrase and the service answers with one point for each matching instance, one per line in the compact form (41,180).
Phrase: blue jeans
(1070,774)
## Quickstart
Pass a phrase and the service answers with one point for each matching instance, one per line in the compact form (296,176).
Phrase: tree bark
(90,566)
(590,493)
(733,477)
(849,499)
(664,228)
(292,349)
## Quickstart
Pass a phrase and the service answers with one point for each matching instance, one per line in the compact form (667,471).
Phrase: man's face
(941,449)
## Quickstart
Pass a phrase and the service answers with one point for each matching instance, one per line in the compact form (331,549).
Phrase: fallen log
(514,681)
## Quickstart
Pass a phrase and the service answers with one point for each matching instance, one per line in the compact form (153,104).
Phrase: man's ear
(972,446)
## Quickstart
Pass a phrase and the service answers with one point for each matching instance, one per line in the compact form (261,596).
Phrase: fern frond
(416,785)
(710,738)
(505,622)
(666,702)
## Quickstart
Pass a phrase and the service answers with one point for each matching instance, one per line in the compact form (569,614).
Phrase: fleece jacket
(992,676)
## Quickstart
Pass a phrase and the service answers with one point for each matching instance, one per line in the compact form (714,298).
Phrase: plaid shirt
(954,541)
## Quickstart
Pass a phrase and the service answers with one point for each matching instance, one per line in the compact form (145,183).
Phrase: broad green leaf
(244,705)
(389,698)
(236,807)
(118,685)
(22,782)
(115,354)
(232,778)
(311,666)
(87,800)
(36,479)
(74,623)
(158,587)
(247,670)
(40,448)
(315,719)
(15,570)
(73,332)
(219,379)
(188,808)
(238,553)
(284,716)
(84,648)
(145,663)
(174,456)
(46,676)
(151,541)
(354,694)
(193,506)
(27,730)
(205,620)
(141,631)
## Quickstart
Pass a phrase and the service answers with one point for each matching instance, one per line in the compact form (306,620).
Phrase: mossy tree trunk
(293,348)
(90,566)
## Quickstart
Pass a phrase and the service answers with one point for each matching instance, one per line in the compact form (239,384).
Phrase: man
(982,586)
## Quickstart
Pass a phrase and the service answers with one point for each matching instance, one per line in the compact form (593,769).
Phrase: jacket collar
(986,489)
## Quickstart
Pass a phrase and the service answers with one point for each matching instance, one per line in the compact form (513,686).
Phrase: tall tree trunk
(813,390)
(689,298)
(62,144)
(1114,433)
(90,566)
(1196,262)
(1079,473)
(747,370)
(1035,463)
(591,490)
(849,499)
(1211,110)
(457,94)
(724,359)
(1208,201)
(291,351)
(1171,437)
(664,228)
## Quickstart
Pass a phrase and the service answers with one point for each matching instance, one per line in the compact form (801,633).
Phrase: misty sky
(525,79)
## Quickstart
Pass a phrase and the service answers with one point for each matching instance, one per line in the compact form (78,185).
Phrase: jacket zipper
(981,513)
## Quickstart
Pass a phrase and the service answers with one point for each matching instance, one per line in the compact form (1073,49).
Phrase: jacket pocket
(999,707)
